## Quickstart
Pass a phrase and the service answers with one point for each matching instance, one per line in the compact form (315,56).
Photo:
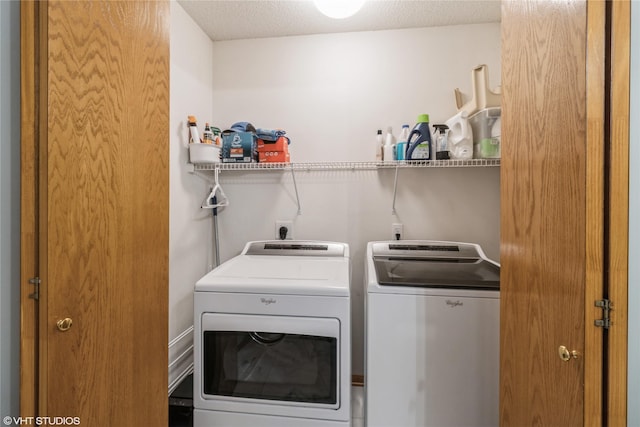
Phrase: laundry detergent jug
(460,137)
(419,144)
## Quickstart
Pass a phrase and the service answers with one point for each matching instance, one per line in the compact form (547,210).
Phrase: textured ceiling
(245,19)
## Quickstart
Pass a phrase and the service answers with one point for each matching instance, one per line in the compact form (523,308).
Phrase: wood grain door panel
(543,212)
(103,97)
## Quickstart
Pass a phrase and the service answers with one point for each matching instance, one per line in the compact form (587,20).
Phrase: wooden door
(556,216)
(95,119)
(543,212)
(617,261)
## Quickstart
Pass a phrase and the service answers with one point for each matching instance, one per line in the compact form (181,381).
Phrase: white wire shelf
(312,166)
(201,168)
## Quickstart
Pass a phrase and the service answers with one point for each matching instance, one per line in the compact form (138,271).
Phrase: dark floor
(181,404)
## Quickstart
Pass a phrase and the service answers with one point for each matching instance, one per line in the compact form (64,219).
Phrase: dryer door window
(286,359)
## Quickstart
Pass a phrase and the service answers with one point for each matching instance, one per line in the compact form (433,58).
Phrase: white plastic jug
(460,137)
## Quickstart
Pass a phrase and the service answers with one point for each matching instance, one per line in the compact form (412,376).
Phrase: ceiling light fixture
(339,9)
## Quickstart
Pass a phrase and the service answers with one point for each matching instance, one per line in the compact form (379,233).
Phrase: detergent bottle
(460,136)
(419,144)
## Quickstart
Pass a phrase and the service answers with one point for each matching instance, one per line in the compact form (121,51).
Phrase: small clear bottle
(379,144)
(441,142)
(207,134)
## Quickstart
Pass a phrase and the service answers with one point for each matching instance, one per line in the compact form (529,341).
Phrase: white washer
(432,335)
(272,337)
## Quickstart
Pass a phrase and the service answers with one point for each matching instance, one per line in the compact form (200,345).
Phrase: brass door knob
(64,324)
(566,354)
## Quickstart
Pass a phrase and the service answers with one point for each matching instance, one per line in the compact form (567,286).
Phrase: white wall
(190,248)
(331,93)
(9,206)
(633,397)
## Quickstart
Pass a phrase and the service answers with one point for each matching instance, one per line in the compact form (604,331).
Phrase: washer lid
(435,265)
(284,275)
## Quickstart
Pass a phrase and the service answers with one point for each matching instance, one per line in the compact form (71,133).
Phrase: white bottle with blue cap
(389,148)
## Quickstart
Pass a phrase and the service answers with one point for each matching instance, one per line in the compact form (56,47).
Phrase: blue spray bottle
(419,144)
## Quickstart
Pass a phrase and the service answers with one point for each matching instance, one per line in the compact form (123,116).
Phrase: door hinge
(606,307)
(36,290)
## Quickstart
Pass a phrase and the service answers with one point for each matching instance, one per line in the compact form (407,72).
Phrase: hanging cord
(295,186)
(211,201)
(216,240)
(395,189)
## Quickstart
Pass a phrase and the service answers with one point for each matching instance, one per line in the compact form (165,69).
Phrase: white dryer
(432,335)
(272,338)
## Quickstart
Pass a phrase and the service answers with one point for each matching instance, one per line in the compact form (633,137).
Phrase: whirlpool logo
(268,301)
(454,304)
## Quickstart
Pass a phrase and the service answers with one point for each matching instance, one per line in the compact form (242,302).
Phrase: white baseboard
(180,358)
